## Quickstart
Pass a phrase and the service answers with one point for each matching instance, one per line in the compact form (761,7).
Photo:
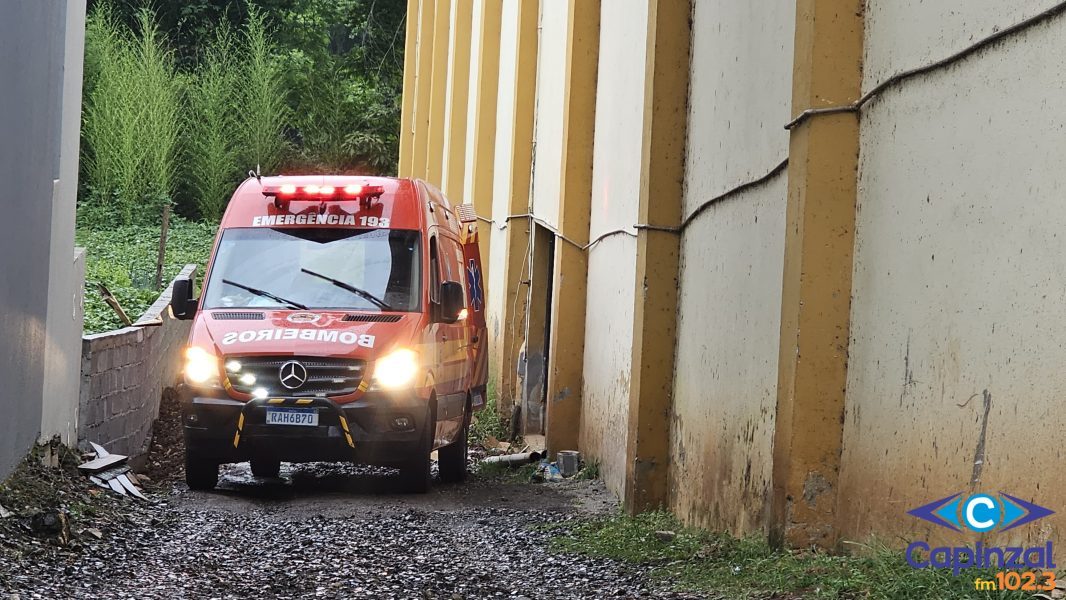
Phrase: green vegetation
(591,471)
(725,567)
(131,125)
(505,474)
(487,423)
(183,99)
(124,260)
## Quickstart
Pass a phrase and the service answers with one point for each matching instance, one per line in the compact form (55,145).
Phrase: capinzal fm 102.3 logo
(980,513)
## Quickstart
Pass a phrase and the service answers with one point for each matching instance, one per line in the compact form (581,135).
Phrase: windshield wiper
(351,288)
(265,294)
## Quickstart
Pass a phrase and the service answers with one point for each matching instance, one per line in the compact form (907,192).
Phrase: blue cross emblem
(473,276)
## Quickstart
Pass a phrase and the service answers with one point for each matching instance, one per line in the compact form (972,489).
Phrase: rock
(665,536)
(49,523)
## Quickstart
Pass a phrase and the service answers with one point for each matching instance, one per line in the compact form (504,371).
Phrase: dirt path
(336,532)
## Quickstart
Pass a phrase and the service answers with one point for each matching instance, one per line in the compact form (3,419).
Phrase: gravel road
(335,531)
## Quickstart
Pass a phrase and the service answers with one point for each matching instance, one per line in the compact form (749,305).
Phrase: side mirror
(181,301)
(451,301)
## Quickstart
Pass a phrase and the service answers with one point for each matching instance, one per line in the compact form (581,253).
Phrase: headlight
(201,367)
(396,369)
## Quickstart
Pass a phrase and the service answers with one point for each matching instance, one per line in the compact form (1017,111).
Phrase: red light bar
(323,192)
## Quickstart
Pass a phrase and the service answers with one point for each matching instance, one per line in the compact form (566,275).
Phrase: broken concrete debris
(111,471)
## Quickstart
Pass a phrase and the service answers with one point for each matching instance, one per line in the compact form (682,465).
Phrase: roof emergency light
(283,194)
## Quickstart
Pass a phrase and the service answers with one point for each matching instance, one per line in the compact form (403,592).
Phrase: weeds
(726,567)
(487,422)
(505,474)
(590,471)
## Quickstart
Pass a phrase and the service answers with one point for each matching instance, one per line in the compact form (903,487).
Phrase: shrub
(131,119)
(211,151)
(263,100)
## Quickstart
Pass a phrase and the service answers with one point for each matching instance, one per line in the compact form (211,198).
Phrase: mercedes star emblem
(292,375)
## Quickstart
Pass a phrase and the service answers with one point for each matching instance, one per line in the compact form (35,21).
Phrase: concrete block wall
(123,375)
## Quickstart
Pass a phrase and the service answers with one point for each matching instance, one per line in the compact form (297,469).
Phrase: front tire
(451,459)
(415,474)
(200,474)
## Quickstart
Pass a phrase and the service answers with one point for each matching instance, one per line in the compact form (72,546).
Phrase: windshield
(363,269)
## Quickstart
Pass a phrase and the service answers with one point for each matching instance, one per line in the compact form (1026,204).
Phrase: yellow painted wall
(730,282)
(956,314)
(615,202)
(958,318)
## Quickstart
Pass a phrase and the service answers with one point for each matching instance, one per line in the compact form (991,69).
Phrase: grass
(589,472)
(487,423)
(726,567)
(505,474)
(124,260)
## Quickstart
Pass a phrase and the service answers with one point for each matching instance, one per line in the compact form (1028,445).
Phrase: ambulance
(341,319)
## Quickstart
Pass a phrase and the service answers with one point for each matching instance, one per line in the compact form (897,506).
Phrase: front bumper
(364,431)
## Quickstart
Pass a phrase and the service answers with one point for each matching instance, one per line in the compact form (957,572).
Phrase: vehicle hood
(349,334)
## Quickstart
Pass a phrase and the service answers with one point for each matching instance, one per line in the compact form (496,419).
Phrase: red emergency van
(341,319)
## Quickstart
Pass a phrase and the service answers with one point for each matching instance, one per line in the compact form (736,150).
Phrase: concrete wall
(501,183)
(958,317)
(877,334)
(123,375)
(551,83)
(730,302)
(66,267)
(60,402)
(616,181)
(38,167)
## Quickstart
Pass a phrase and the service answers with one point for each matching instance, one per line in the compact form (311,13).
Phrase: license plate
(307,417)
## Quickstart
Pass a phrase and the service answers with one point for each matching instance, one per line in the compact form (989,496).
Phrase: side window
(452,268)
(434,271)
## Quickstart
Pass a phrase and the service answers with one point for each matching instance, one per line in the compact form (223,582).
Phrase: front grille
(325,376)
(372,318)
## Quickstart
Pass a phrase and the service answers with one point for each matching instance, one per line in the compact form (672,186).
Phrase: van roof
(397,208)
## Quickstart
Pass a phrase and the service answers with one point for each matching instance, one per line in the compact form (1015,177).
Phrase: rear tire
(415,474)
(200,474)
(265,467)
(451,459)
